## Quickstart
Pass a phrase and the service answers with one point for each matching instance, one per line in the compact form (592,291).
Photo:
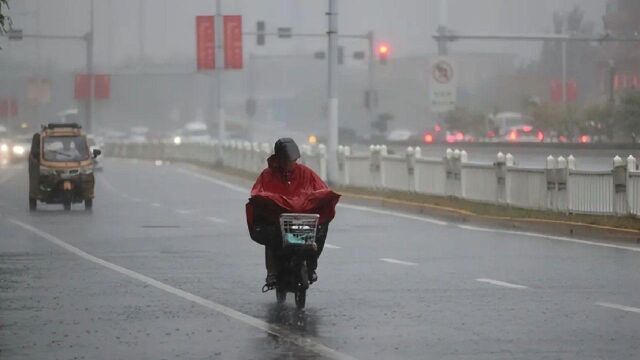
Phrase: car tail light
(459,136)
(513,135)
(585,139)
(437,128)
(428,138)
(527,128)
(540,136)
(491,134)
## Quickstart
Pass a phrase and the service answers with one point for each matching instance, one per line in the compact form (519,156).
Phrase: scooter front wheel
(281,295)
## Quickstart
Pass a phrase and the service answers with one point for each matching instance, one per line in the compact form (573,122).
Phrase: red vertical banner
(102,86)
(556,91)
(233,57)
(205,43)
(572,91)
(81,87)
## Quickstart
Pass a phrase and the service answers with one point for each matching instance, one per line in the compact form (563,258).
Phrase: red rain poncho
(299,191)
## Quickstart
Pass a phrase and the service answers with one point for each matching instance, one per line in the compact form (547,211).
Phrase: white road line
(304,342)
(549,237)
(215,181)
(136,199)
(329,246)
(393,213)
(502,283)
(432,221)
(102,180)
(619,307)
(399,262)
(155,204)
(183,212)
(216,220)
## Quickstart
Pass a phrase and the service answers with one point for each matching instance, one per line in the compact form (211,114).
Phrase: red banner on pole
(233,57)
(81,87)
(556,91)
(572,91)
(102,86)
(205,43)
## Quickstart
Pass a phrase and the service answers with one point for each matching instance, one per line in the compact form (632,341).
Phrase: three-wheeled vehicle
(61,167)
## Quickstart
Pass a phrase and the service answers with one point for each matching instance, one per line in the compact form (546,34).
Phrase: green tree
(627,117)
(4,19)
(595,120)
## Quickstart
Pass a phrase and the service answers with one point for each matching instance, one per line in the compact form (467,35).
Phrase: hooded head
(286,153)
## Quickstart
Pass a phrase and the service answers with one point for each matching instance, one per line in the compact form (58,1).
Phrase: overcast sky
(166,28)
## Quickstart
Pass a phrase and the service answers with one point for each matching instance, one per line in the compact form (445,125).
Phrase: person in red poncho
(287,187)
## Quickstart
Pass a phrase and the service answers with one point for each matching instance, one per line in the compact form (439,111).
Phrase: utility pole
(564,72)
(217,73)
(372,95)
(332,53)
(90,102)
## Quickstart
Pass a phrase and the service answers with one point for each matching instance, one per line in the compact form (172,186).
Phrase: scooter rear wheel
(33,204)
(301,298)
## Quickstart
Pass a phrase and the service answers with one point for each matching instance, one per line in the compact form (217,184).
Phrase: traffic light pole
(372,96)
(332,53)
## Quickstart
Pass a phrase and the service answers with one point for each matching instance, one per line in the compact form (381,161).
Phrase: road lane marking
(304,342)
(619,307)
(502,283)
(216,220)
(399,262)
(155,204)
(432,221)
(184,212)
(394,213)
(102,180)
(329,246)
(549,237)
(215,181)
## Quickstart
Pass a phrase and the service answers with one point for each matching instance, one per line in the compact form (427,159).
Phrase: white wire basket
(299,229)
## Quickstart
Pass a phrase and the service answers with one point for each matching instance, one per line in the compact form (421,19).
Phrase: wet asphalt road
(163,268)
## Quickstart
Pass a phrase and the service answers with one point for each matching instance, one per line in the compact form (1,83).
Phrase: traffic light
(383,53)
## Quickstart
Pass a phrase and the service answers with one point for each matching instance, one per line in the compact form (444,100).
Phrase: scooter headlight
(4,148)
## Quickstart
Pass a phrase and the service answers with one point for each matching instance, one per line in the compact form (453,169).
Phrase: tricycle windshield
(65,148)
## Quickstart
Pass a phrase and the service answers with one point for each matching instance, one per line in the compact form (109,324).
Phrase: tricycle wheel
(88,204)
(33,204)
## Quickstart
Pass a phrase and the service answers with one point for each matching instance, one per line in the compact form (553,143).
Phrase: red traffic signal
(383,52)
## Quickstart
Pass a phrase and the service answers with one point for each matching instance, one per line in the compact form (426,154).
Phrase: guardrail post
(411,169)
(620,177)
(552,183)
(462,159)
(562,178)
(501,178)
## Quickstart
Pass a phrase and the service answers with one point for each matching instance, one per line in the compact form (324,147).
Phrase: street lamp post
(332,53)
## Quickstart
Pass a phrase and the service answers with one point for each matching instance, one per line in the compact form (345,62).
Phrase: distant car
(400,135)
(5,151)
(20,148)
(524,134)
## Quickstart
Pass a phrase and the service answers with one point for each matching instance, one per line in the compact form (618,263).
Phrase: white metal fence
(557,187)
